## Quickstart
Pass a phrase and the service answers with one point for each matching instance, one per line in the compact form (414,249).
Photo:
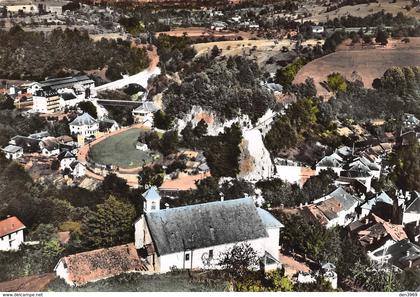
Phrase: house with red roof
(11,234)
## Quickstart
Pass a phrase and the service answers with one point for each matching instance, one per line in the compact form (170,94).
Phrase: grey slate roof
(203,225)
(268,219)
(398,253)
(84,119)
(346,199)
(68,96)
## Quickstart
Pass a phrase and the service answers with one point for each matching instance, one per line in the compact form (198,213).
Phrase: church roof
(203,225)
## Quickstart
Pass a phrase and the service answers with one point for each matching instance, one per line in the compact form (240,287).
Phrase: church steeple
(151,200)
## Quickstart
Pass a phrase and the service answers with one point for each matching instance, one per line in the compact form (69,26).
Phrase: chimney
(366,221)
(222,196)
(417,223)
(301,206)
(167,205)
(410,263)
(282,206)
(407,253)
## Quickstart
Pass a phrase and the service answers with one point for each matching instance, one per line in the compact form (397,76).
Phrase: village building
(108,125)
(400,255)
(46,100)
(144,113)
(192,237)
(84,125)
(79,83)
(291,171)
(12,152)
(49,146)
(28,144)
(11,234)
(373,232)
(338,208)
(82,268)
(66,158)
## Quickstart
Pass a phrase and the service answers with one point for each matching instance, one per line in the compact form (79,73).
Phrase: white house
(84,125)
(49,146)
(66,158)
(144,113)
(77,169)
(12,152)
(367,207)
(11,234)
(108,125)
(194,236)
(336,208)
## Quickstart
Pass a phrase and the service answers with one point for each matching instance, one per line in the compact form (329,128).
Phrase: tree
(169,142)
(381,37)
(89,107)
(277,192)
(151,176)
(188,134)
(6,102)
(337,82)
(282,135)
(238,260)
(367,39)
(222,154)
(201,129)
(110,225)
(163,121)
(115,185)
(215,51)
(319,185)
(406,171)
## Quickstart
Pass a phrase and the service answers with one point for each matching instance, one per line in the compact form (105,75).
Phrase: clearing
(120,150)
(368,63)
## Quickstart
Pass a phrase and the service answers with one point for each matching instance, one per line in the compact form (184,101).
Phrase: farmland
(368,63)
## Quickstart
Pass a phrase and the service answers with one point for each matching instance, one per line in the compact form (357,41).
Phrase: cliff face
(255,163)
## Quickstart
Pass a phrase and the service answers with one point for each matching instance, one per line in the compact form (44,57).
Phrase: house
(372,232)
(411,212)
(400,255)
(12,152)
(82,268)
(218,26)
(66,158)
(84,125)
(379,200)
(336,208)
(335,161)
(11,234)
(46,100)
(49,146)
(77,169)
(192,237)
(144,113)
(108,125)
(28,144)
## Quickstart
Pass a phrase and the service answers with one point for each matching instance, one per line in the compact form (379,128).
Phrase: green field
(120,150)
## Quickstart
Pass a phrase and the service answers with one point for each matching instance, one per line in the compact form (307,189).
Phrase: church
(193,237)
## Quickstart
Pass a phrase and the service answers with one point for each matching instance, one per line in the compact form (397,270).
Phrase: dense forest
(227,87)
(35,55)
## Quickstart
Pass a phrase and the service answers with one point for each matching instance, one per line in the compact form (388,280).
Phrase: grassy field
(133,282)
(369,63)
(120,150)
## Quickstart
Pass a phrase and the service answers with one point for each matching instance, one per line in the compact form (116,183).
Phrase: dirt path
(34,283)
